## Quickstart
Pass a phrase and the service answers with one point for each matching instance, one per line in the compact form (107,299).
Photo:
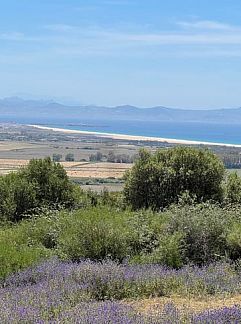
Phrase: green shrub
(57,157)
(169,252)
(17,253)
(96,233)
(234,240)
(157,180)
(204,229)
(7,203)
(146,227)
(41,183)
(69,157)
(183,234)
(233,188)
(51,181)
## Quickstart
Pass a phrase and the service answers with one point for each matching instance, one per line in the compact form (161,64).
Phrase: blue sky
(175,53)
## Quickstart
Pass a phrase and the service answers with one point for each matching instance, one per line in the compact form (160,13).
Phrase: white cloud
(206,25)
(183,39)
(95,34)
(206,39)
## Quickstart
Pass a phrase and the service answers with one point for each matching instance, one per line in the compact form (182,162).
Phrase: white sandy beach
(133,137)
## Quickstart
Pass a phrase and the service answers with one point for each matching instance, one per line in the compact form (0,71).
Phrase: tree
(96,157)
(17,196)
(233,188)
(69,157)
(41,183)
(57,157)
(51,182)
(158,180)
(111,157)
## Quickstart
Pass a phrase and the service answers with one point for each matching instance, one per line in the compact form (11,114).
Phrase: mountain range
(15,109)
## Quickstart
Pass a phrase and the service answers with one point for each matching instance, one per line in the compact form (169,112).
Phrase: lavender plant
(88,292)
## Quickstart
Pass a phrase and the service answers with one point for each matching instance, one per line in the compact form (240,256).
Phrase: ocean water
(207,132)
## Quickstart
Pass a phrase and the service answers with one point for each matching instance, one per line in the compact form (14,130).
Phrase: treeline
(230,156)
(98,157)
(68,157)
(232,162)
(112,157)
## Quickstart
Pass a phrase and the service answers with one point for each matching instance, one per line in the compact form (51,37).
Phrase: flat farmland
(101,170)
(95,176)
(82,150)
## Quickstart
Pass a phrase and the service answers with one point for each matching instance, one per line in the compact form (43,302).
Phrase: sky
(173,53)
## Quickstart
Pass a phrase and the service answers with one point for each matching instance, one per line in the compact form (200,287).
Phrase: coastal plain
(21,143)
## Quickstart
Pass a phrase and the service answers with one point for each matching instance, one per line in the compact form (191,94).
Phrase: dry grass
(98,170)
(15,146)
(186,304)
(74,169)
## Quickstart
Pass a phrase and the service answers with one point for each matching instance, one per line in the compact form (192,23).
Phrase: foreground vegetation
(179,236)
(87,292)
(72,256)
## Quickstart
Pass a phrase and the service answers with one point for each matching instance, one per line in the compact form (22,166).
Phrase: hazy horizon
(72,103)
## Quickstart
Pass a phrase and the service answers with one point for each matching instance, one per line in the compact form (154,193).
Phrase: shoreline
(134,137)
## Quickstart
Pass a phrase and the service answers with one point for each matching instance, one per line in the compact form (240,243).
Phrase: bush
(51,180)
(183,234)
(7,203)
(24,195)
(57,157)
(234,240)
(17,253)
(96,233)
(233,188)
(97,157)
(42,182)
(69,157)
(157,180)
(169,252)
(17,197)
(204,229)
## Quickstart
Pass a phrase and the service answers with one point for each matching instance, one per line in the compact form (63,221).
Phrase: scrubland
(74,256)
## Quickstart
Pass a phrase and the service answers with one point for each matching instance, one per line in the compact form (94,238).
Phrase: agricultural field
(25,143)
(19,144)
(76,170)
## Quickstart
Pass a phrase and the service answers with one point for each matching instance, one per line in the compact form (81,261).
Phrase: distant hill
(15,109)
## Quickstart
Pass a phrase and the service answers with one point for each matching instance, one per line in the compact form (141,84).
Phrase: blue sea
(208,132)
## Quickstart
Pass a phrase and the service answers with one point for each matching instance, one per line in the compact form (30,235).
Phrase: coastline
(134,137)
